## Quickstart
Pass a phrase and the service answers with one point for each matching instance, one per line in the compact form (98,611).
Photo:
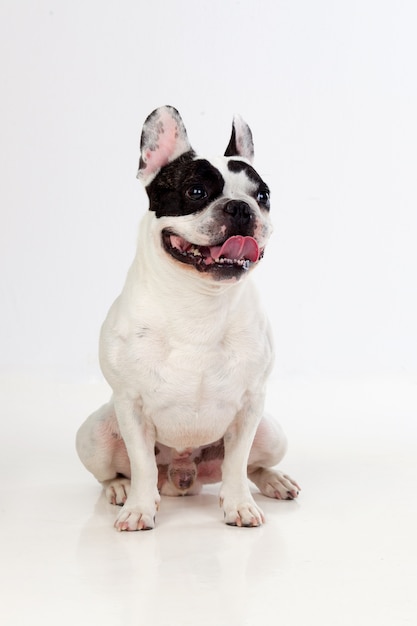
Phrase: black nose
(239,210)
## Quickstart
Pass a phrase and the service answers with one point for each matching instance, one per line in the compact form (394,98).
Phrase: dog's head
(211,217)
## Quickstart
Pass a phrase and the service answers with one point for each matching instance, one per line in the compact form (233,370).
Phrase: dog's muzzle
(236,253)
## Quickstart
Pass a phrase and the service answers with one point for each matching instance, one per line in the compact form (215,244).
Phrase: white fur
(187,358)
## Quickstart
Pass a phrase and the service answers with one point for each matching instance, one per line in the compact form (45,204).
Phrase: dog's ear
(163,139)
(241,142)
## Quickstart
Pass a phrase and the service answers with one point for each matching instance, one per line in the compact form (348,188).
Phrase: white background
(330,92)
(329,89)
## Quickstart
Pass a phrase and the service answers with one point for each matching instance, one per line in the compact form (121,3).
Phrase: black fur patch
(239,166)
(252,174)
(168,190)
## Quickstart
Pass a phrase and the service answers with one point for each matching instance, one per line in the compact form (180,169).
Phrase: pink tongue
(237,247)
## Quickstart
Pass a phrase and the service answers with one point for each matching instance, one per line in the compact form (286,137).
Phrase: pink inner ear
(169,145)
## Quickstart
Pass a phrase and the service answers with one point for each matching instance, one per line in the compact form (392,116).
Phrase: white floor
(344,554)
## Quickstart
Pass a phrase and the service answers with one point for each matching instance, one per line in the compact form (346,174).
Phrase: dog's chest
(191,391)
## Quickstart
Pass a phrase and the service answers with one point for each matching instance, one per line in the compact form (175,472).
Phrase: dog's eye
(263,197)
(196,192)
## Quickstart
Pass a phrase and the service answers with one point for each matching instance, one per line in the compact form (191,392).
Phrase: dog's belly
(185,421)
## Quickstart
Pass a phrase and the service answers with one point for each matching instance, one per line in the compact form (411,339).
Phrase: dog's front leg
(240,509)
(138,512)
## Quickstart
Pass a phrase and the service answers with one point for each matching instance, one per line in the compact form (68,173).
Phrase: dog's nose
(239,210)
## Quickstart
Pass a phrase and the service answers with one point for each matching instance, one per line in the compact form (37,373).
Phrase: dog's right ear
(164,139)
(241,142)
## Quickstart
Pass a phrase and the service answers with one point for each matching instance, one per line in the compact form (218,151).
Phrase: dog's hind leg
(103,452)
(268,449)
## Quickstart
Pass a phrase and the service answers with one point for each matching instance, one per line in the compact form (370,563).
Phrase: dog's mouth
(235,253)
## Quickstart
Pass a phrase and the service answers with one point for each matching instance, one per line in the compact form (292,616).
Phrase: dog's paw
(117,490)
(275,484)
(136,517)
(242,513)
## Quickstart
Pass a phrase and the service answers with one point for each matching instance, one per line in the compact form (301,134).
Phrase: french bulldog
(186,347)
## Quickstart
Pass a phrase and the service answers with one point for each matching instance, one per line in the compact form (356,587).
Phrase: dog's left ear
(163,140)
(241,142)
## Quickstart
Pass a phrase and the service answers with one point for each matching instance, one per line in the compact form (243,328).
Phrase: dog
(186,347)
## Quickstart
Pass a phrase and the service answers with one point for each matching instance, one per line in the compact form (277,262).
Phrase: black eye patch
(262,192)
(184,186)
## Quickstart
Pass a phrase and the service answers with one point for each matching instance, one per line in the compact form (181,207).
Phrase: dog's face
(211,217)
